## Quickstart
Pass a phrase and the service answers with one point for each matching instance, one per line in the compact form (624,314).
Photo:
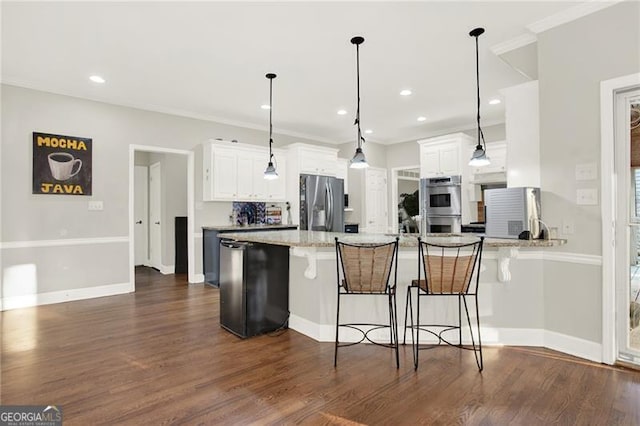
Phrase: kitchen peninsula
(510,297)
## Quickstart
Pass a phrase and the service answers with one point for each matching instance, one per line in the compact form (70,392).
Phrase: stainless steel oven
(441,196)
(443,224)
(441,205)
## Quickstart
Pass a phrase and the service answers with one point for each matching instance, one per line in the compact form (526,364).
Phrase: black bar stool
(365,270)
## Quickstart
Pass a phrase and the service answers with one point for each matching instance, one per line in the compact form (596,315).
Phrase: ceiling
(209,60)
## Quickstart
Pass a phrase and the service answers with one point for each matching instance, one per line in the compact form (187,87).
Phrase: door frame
(608,91)
(393,203)
(190,207)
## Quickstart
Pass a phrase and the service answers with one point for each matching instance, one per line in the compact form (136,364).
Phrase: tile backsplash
(254,212)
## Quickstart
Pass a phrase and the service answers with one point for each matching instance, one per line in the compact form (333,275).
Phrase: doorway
(405,180)
(620,156)
(164,225)
(375,188)
(627,149)
(141,213)
(155,216)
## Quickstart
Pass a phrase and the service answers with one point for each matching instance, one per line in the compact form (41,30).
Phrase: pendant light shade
(270,172)
(358,161)
(479,156)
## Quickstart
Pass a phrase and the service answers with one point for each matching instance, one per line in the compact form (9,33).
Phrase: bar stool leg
(335,354)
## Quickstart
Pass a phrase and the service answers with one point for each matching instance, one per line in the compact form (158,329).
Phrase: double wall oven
(441,204)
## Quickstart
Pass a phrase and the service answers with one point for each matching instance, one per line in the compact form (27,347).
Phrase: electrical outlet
(95,205)
(587,197)
(567,227)
(587,171)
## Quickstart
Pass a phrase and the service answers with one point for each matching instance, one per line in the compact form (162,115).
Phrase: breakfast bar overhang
(511,297)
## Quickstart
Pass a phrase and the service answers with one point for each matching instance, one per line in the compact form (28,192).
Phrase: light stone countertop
(297,238)
(243,228)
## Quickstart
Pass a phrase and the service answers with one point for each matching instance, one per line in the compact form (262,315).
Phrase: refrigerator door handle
(329,226)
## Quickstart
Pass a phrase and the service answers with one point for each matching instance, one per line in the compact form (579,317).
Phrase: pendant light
(270,172)
(479,156)
(358,161)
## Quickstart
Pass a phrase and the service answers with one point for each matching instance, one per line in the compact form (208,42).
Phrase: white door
(628,227)
(155,217)
(375,190)
(141,214)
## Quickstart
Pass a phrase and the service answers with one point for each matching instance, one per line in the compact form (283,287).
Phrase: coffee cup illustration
(62,165)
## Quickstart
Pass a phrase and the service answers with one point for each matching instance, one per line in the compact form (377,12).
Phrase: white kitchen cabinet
(218,166)
(342,172)
(235,172)
(497,153)
(441,156)
(277,188)
(315,161)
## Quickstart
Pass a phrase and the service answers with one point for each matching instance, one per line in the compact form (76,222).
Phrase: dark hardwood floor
(159,356)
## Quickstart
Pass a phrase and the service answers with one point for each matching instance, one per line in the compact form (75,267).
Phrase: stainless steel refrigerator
(321,203)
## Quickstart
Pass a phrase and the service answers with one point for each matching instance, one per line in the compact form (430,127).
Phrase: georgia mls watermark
(30,415)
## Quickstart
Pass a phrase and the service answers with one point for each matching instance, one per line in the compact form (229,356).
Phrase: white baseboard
(490,336)
(29,300)
(198,278)
(573,346)
(167,269)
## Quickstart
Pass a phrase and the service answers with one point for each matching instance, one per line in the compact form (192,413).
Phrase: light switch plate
(587,197)
(587,171)
(95,205)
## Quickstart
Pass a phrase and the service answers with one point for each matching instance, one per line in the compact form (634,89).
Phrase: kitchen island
(510,296)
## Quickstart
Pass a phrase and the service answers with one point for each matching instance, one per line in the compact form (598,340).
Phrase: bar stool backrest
(449,269)
(366,267)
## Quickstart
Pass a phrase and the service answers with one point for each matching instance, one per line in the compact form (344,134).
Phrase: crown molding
(569,15)
(513,44)
(164,110)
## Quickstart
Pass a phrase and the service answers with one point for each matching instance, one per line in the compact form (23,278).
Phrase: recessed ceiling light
(97,79)
(342,112)
(265,106)
(494,101)
(422,118)
(405,92)
(368,131)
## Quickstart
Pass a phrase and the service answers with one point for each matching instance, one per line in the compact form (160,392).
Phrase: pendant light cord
(480,134)
(270,114)
(357,122)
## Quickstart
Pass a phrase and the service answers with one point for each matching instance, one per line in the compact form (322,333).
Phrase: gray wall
(28,219)
(573,59)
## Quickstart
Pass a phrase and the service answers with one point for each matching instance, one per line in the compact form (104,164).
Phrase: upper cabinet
(522,127)
(497,153)
(317,160)
(235,172)
(441,156)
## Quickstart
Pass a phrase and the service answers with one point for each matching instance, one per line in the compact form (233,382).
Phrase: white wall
(573,59)
(53,243)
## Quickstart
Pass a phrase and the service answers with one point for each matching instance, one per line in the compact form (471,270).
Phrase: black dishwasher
(254,287)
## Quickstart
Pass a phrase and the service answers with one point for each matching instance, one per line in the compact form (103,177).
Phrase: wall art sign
(61,164)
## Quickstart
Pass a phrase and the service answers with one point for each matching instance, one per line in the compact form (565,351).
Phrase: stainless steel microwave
(513,213)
